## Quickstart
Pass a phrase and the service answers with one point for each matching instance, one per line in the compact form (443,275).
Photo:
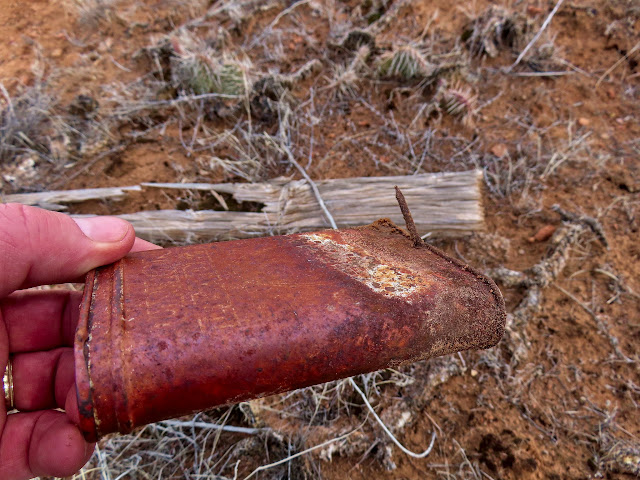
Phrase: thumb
(38,247)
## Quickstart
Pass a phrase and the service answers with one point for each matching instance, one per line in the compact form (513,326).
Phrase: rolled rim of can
(84,391)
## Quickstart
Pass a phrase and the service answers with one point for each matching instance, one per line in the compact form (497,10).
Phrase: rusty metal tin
(169,332)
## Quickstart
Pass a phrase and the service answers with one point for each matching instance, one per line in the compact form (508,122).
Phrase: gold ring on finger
(7,384)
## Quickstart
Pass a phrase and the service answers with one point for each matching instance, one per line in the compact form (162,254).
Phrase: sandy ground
(558,398)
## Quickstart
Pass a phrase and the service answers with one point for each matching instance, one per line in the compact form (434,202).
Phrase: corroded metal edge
(488,281)
(493,287)
(386,280)
(84,392)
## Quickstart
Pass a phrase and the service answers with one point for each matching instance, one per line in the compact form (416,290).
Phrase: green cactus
(406,63)
(202,74)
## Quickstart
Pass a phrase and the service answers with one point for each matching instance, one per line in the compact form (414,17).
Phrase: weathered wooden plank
(188,226)
(57,200)
(443,204)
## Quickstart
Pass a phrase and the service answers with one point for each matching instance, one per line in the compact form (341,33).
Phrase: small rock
(499,150)
(105,45)
(57,53)
(534,11)
(605,136)
(543,234)
(474,373)
(584,122)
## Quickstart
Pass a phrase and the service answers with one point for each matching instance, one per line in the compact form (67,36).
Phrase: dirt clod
(212,92)
(499,150)
(544,233)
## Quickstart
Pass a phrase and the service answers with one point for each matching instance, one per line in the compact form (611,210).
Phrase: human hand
(37,329)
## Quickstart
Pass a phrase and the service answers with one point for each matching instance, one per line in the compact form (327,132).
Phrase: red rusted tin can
(169,332)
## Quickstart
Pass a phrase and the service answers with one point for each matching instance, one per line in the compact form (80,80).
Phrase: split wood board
(442,204)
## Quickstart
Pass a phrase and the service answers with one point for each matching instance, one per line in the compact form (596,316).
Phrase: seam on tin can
(119,370)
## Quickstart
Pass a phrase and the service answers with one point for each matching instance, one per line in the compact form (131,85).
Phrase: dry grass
(239,102)
(94,12)
(25,123)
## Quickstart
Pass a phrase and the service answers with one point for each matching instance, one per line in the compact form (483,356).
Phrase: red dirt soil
(539,420)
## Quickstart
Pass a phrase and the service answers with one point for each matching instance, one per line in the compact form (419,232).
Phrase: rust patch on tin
(369,268)
(221,323)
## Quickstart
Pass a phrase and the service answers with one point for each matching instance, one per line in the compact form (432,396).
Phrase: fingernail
(103,229)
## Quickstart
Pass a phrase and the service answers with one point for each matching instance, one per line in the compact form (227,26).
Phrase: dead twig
(625,289)
(617,454)
(543,274)
(592,223)
(537,35)
(386,429)
(267,31)
(314,188)
(635,48)
(214,426)
(602,326)
(62,180)
(296,455)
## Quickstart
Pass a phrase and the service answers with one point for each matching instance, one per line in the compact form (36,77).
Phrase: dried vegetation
(240,89)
